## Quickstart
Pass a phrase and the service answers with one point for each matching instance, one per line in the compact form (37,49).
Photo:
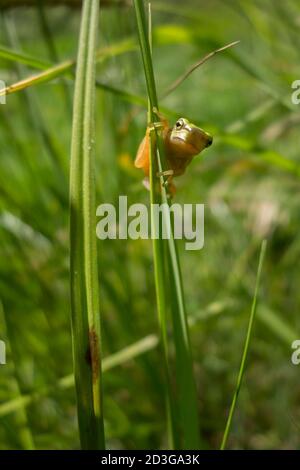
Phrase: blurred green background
(248,180)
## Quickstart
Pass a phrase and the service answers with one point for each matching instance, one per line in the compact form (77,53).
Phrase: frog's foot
(163,123)
(152,126)
(165,173)
(167,176)
(170,185)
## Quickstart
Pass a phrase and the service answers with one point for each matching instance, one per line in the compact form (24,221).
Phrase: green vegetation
(86,331)
(160,305)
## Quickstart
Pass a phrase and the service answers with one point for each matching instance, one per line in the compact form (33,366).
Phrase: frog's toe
(165,173)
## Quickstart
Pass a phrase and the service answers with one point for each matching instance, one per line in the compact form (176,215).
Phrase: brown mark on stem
(92,354)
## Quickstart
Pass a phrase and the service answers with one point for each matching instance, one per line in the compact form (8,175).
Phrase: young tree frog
(182,143)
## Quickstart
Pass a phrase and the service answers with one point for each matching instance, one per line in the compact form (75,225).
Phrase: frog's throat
(194,148)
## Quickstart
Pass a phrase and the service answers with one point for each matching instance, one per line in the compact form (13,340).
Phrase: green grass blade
(158,243)
(191,69)
(159,253)
(83,256)
(50,72)
(187,392)
(186,415)
(42,77)
(25,59)
(246,347)
(276,325)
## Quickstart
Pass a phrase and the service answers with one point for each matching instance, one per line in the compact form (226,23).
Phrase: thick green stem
(166,260)
(84,273)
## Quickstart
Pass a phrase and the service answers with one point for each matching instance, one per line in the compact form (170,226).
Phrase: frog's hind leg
(142,156)
(171,188)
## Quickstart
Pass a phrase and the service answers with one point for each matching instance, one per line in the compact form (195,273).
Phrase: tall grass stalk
(159,254)
(246,347)
(83,255)
(169,289)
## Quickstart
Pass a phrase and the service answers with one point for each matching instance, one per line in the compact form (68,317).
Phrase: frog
(182,143)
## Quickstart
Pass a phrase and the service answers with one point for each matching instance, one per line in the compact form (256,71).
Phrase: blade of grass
(25,59)
(191,69)
(159,252)
(246,346)
(83,249)
(276,325)
(49,72)
(42,77)
(187,414)
(124,95)
(160,277)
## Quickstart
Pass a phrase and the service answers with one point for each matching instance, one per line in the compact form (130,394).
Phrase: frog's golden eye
(179,124)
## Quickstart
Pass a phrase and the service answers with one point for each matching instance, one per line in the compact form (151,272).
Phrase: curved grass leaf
(246,347)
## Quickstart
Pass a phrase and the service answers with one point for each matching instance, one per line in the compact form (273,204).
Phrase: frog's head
(190,138)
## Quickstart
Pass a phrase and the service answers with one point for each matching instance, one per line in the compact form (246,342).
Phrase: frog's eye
(179,124)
